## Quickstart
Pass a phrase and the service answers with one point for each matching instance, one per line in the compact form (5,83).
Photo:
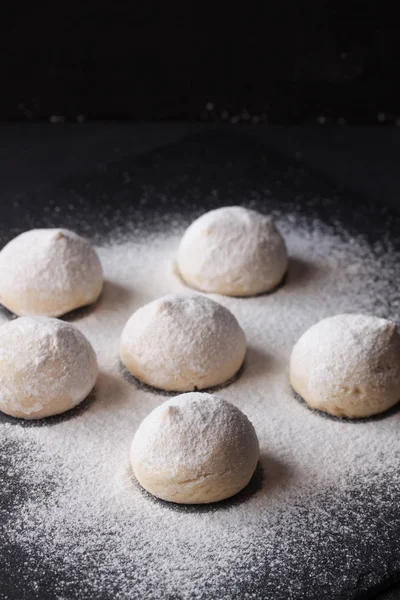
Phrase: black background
(281,62)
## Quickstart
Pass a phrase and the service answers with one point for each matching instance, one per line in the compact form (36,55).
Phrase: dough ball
(183,342)
(46,367)
(194,449)
(49,272)
(348,365)
(232,251)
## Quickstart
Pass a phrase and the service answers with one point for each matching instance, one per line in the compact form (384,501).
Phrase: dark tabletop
(362,159)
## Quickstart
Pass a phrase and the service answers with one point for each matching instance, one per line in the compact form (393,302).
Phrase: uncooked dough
(183,342)
(49,272)
(47,366)
(232,251)
(194,449)
(348,365)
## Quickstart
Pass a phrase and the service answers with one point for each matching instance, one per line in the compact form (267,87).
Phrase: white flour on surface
(86,517)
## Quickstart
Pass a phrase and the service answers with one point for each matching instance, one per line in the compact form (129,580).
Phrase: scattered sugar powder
(319,518)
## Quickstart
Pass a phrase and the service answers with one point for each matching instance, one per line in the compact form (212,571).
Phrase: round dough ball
(46,367)
(194,449)
(49,272)
(183,342)
(232,251)
(348,365)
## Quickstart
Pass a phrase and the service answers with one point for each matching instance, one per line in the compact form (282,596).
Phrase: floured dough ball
(348,365)
(232,251)
(183,342)
(49,272)
(46,367)
(194,449)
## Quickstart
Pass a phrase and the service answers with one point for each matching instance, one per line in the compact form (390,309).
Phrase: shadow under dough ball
(183,342)
(232,251)
(49,272)
(195,448)
(47,367)
(348,365)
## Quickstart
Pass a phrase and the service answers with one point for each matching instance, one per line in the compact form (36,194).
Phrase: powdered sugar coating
(195,448)
(233,251)
(181,342)
(348,365)
(46,367)
(49,272)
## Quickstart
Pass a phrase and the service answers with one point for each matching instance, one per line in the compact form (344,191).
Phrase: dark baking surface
(76,176)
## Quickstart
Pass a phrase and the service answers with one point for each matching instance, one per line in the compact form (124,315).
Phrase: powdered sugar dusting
(46,366)
(183,342)
(99,533)
(348,365)
(195,448)
(232,250)
(48,272)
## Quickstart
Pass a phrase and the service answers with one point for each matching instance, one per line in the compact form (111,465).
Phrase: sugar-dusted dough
(195,448)
(348,365)
(183,342)
(49,272)
(232,251)
(47,366)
